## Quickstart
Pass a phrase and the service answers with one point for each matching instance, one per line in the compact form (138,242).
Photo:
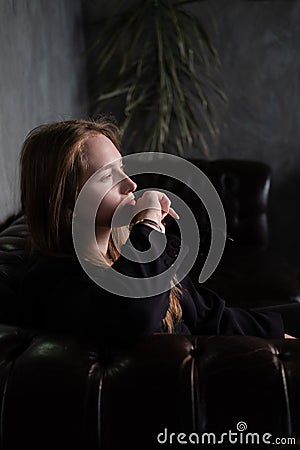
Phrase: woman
(56,161)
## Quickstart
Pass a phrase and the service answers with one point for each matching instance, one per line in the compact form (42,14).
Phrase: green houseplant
(156,58)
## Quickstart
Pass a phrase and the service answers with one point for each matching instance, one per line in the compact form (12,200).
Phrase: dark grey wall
(259,47)
(41,77)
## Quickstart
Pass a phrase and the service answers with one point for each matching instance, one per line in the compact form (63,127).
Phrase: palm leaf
(166,81)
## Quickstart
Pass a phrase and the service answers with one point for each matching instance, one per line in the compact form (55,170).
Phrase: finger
(165,202)
(173,213)
(166,207)
(287,336)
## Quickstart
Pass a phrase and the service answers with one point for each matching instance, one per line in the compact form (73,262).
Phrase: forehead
(99,151)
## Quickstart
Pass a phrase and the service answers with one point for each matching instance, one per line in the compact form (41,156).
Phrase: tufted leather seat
(252,272)
(59,393)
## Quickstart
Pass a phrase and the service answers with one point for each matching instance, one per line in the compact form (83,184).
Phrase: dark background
(44,77)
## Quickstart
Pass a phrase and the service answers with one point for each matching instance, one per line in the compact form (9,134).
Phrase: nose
(129,185)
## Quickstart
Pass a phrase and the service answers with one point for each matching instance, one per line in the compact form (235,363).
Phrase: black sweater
(61,297)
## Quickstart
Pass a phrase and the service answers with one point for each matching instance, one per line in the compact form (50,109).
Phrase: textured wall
(259,45)
(41,77)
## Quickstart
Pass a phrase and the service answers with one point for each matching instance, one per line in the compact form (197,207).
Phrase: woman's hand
(154,205)
(287,336)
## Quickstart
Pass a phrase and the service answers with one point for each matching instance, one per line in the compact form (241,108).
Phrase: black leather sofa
(59,392)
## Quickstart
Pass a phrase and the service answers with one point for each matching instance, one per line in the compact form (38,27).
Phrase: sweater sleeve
(163,252)
(205,313)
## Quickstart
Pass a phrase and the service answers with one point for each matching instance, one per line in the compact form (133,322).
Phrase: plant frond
(159,57)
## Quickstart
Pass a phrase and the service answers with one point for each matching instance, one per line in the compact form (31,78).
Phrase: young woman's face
(111,183)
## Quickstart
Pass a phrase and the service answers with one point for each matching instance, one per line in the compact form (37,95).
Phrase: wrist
(150,222)
(152,214)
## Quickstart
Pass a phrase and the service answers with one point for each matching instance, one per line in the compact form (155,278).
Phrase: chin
(123,215)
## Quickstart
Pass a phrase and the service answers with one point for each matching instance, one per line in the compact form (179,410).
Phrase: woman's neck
(90,245)
(102,238)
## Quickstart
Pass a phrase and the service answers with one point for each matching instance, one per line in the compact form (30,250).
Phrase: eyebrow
(108,166)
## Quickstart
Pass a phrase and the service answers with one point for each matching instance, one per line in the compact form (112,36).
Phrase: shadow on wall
(285,220)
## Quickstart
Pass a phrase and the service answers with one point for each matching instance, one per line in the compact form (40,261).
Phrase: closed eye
(105,177)
(109,175)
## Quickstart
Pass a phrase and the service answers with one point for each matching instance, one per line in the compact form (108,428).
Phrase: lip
(131,201)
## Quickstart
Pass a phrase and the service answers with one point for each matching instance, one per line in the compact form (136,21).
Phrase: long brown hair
(52,163)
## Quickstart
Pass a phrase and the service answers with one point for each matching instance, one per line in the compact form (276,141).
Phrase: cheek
(101,194)
(96,197)
(108,205)
(110,199)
